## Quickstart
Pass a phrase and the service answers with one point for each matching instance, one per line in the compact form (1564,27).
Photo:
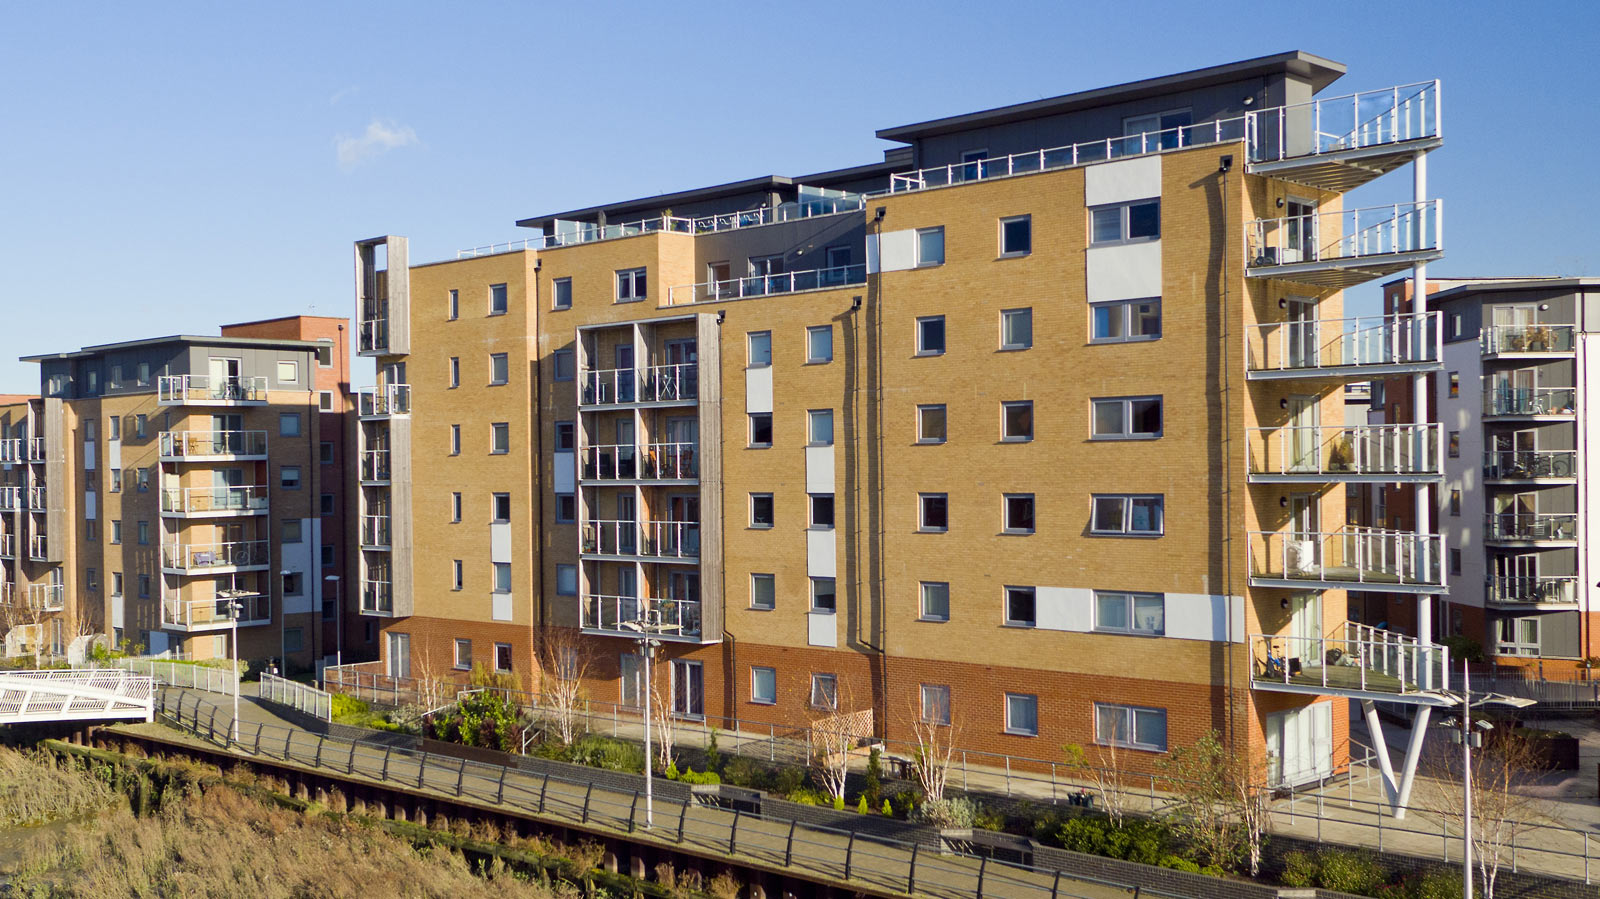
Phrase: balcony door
(683,435)
(1300,745)
(1303,547)
(627,529)
(1300,231)
(679,381)
(1304,449)
(627,593)
(1305,627)
(683,587)
(683,514)
(626,452)
(688,689)
(1301,332)
(225,434)
(623,357)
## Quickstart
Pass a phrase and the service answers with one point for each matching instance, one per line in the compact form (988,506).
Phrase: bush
(838,803)
(788,780)
(1137,840)
(946,813)
(989,819)
(888,810)
(705,777)
(1299,869)
(604,752)
(713,754)
(861,805)
(1179,863)
(872,783)
(672,770)
(1437,884)
(745,772)
(1348,871)
(808,796)
(1464,649)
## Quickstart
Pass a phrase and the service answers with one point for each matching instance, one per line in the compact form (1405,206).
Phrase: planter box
(1005,847)
(729,797)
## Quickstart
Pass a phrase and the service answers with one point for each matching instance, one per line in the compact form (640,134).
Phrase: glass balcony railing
(384,400)
(209,500)
(652,462)
(10,499)
(1355,658)
(8,546)
(375,465)
(1529,465)
(1332,125)
(39,547)
(1507,400)
(377,598)
(35,449)
(373,335)
(177,445)
(375,531)
(652,539)
(179,390)
(1354,557)
(1553,589)
(249,608)
(200,557)
(1530,527)
(767,285)
(1348,235)
(668,617)
(654,384)
(1512,340)
(1335,452)
(47,597)
(11,451)
(1390,342)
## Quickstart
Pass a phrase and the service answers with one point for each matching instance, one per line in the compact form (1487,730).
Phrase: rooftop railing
(384,400)
(1353,555)
(189,557)
(767,285)
(1506,399)
(1345,235)
(1356,658)
(203,500)
(1528,465)
(1562,589)
(178,390)
(1496,340)
(1530,527)
(1405,339)
(1391,450)
(679,617)
(1359,121)
(190,444)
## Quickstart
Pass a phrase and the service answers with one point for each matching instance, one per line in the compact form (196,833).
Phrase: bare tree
(834,736)
(1501,809)
(564,663)
(664,722)
(1103,772)
(1222,802)
(934,732)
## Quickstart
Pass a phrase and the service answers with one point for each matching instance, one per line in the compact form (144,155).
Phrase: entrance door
(1300,226)
(1304,437)
(632,691)
(1300,745)
(688,689)
(1301,333)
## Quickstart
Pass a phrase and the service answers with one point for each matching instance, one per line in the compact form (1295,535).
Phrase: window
(763,685)
(502,508)
(631,286)
(497,299)
(1126,418)
(1127,514)
(935,704)
(1455,325)
(566,437)
(455,372)
(566,580)
(89,430)
(458,575)
(824,691)
(114,430)
(1129,726)
(325,400)
(143,374)
(1021,608)
(500,438)
(561,364)
(1455,561)
(91,579)
(1125,321)
(115,381)
(463,648)
(930,424)
(1016,329)
(291,530)
(502,576)
(502,657)
(1125,222)
(1455,503)
(292,582)
(328,559)
(930,335)
(761,510)
(566,508)
(88,530)
(819,427)
(819,344)
(289,477)
(294,639)
(141,426)
(935,601)
(759,345)
(116,533)
(289,424)
(92,379)
(455,507)
(1019,513)
(144,479)
(822,511)
(453,305)
(1455,444)
(934,512)
(324,352)
(1130,613)
(930,246)
(288,373)
(499,368)
(562,296)
(1016,421)
(325,452)
(144,533)
(455,440)
(1016,236)
(1455,385)
(763,591)
(116,583)
(760,429)
(1022,714)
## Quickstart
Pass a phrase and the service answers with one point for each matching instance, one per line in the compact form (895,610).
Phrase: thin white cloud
(343,93)
(380,138)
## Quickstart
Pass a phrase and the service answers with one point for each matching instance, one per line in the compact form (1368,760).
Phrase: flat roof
(1319,71)
(1502,284)
(241,342)
(285,318)
(639,204)
(13,399)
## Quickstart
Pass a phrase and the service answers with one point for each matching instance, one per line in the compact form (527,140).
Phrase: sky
(167,167)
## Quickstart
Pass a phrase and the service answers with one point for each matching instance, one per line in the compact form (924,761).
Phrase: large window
(1126,418)
(763,592)
(1130,726)
(819,424)
(1016,329)
(1124,321)
(1140,515)
(930,246)
(1125,222)
(935,601)
(1021,607)
(631,285)
(1022,714)
(763,685)
(1517,636)
(1130,613)
(933,511)
(819,344)
(931,424)
(930,335)
(936,704)
(1016,236)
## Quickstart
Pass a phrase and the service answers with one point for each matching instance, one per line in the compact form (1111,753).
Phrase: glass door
(1300,225)
(623,358)
(683,514)
(627,524)
(684,591)
(632,690)
(688,689)
(1304,437)
(399,660)
(1302,332)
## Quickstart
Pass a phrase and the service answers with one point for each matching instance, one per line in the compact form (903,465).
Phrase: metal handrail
(1358,657)
(656,539)
(217,611)
(1505,399)
(1409,449)
(678,617)
(1544,588)
(1541,337)
(1349,555)
(1410,338)
(298,696)
(1530,526)
(1514,465)
(1345,234)
(767,285)
(178,389)
(385,399)
(1392,115)
(200,556)
(248,498)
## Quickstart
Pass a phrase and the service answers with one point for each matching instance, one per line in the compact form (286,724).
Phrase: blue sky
(165,168)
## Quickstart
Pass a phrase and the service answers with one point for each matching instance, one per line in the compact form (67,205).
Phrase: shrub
(1299,869)
(744,772)
(838,803)
(946,813)
(905,802)
(1437,884)
(1348,871)
(1179,863)
(713,754)
(872,783)
(888,810)
(604,752)
(809,796)
(672,770)
(861,805)
(705,777)
(1463,648)
(989,819)
(788,780)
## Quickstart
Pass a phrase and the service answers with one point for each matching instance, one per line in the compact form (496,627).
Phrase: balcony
(1357,454)
(1538,590)
(655,462)
(216,558)
(1506,401)
(47,597)
(1338,250)
(35,449)
(1354,558)
(39,547)
(1358,661)
(1525,341)
(377,598)
(656,385)
(213,446)
(8,546)
(1530,528)
(677,541)
(384,401)
(1359,347)
(36,496)
(11,451)
(218,613)
(10,499)
(373,335)
(1524,466)
(375,532)
(1340,143)
(767,285)
(213,502)
(375,467)
(203,390)
(679,618)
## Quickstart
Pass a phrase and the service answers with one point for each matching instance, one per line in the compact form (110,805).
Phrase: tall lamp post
(338,622)
(234,607)
(1468,737)
(648,643)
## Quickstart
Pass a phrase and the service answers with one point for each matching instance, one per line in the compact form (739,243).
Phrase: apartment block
(1019,429)
(170,489)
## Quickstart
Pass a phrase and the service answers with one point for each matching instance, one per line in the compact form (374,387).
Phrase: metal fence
(831,853)
(177,674)
(297,696)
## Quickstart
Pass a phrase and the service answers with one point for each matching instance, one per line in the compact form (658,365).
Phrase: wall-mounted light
(1283,501)
(879,213)
(1248,101)
(1225,164)
(1544,307)
(722,316)
(1283,303)
(855,303)
(1283,403)
(1283,603)
(1280,202)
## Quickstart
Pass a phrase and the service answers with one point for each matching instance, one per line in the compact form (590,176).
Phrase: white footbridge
(99,694)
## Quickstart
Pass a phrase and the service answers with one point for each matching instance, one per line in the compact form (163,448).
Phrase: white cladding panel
(819,469)
(90,501)
(500,606)
(821,553)
(299,558)
(119,611)
(1063,608)
(1122,181)
(500,542)
(893,251)
(822,629)
(758,389)
(1197,616)
(1124,271)
(114,454)
(88,456)
(566,472)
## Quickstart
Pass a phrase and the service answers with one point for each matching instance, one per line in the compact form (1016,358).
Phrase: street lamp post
(1466,736)
(648,643)
(234,606)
